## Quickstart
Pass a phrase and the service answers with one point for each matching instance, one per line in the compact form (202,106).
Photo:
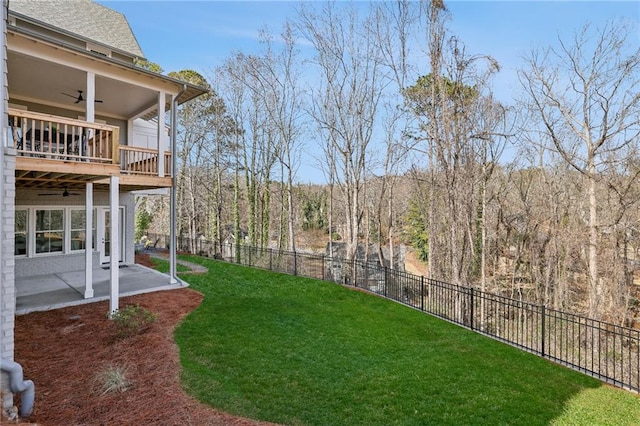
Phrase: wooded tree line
(537,198)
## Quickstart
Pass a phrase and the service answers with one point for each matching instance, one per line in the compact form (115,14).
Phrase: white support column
(172,235)
(130,132)
(162,136)
(88,248)
(114,252)
(172,197)
(90,97)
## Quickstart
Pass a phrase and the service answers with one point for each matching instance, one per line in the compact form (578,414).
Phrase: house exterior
(83,128)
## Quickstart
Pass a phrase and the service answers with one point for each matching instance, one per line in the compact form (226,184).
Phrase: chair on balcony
(15,131)
(72,144)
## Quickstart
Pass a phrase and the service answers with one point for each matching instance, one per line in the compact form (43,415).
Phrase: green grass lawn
(163,266)
(304,352)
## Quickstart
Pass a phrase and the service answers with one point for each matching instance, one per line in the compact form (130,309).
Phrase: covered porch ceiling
(39,81)
(51,73)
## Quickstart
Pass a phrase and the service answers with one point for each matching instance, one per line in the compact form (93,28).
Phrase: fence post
(366,274)
(352,270)
(323,263)
(544,314)
(422,293)
(385,281)
(295,264)
(471,308)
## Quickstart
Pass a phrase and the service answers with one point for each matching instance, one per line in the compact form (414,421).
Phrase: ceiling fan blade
(80,98)
(66,193)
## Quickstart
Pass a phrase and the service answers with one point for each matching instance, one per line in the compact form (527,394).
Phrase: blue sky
(200,35)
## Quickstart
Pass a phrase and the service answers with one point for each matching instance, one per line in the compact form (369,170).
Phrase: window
(56,230)
(49,231)
(21,222)
(78,231)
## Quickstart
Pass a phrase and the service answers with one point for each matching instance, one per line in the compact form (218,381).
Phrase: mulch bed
(62,350)
(144,259)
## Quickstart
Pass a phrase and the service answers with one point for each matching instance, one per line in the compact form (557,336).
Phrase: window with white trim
(49,229)
(21,244)
(78,229)
(55,230)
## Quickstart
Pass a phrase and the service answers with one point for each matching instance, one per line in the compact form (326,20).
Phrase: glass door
(104,234)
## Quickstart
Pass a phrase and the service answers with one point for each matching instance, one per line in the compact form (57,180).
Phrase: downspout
(172,199)
(17,384)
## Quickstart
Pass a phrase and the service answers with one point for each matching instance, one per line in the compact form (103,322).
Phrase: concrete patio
(52,291)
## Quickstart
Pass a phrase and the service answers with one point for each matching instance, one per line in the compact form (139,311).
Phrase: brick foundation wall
(7,217)
(7,277)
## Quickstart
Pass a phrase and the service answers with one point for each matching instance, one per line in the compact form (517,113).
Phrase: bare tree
(457,118)
(258,151)
(437,16)
(234,93)
(393,24)
(279,76)
(346,102)
(222,158)
(193,136)
(204,147)
(585,95)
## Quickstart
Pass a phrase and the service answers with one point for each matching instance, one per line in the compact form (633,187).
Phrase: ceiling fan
(65,193)
(79,98)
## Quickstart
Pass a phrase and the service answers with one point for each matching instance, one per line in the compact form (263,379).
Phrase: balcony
(49,147)
(57,138)
(142,161)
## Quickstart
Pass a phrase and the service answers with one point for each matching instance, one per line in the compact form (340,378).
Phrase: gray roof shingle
(84,18)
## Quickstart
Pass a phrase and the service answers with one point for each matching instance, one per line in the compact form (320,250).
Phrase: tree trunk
(595,294)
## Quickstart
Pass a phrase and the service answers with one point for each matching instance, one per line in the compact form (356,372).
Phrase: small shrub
(111,379)
(132,320)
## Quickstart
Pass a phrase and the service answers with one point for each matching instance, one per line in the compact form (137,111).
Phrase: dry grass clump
(111,379)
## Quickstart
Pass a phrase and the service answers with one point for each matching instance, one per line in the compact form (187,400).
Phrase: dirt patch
(61,351)
(413,265)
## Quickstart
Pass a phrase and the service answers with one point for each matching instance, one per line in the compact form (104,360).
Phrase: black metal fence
(603,350)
